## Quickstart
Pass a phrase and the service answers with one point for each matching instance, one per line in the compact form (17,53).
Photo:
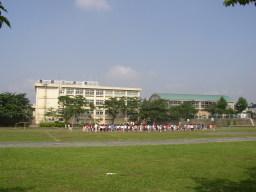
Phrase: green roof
(191,97)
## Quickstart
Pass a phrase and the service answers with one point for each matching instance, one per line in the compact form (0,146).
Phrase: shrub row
(52,124)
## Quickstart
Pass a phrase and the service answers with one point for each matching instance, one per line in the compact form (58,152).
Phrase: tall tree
(221,105)
(72,107)
(241,2)
(133,105)
(155,111)
(14,108)
(3,19)
(188,111)
(175,113)
(131,108)
(114,107)
(52,113)
(64,108)
(183,111)
(241,105)
(212,109)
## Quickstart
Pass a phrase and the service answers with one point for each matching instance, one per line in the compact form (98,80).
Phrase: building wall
(46,98)
(47,93)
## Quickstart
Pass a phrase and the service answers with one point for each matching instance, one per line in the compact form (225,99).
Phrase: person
(141,127)
(84,128)
(95,127)
(69,127)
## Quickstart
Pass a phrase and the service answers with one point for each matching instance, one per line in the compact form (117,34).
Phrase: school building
(48,92)
(200,102)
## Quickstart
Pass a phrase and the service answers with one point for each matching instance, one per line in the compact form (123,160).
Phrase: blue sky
(176,46)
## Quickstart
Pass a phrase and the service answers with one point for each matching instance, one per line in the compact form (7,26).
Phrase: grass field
(215,167)
(209,167)
(63,135)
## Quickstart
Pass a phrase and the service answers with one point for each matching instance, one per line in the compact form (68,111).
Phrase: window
(119,93)
(89,92)
(99,113)
(99,93)
(206,104)
(90,101)
(79,91)
(70,91)
(89,112)
(108,93)
(196,104)
(132,93)
(175,102)
(99,102)
(62,91)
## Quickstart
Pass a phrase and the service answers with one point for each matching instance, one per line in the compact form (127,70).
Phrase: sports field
(208,167)
(63,135)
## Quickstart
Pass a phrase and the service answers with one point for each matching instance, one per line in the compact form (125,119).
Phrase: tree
(3,19)
(52,113)
(72,107)
(175,113)
(89,113)
(114,107)
(132,107)
(187,110)
(155,111)
(230,111)
(64,108)
(221,105)
(183,111)
(241,2)
(212,109)
(14,108)
(241,105)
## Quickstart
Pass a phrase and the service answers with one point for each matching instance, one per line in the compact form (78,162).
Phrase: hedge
(52,124)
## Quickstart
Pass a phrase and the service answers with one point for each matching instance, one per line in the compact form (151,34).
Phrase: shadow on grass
(225,185)
(16,189)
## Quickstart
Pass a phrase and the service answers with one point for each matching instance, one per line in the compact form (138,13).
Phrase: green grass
(237,129)
(214,167)
(63,135)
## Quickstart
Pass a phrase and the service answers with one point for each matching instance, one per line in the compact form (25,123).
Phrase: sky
(171,46)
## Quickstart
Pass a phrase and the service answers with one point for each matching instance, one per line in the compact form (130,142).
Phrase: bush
(52,124)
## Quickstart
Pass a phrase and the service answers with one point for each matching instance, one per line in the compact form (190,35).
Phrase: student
(69,127)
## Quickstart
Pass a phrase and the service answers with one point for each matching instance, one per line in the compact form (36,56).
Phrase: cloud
(124,73)
(99,5)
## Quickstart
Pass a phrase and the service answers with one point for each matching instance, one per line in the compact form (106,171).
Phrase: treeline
(16,108)
(221,107)
(73,109)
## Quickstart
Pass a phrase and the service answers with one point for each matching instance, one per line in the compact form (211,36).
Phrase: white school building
(48,91)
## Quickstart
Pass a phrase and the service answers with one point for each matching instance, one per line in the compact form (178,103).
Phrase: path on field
(123,143)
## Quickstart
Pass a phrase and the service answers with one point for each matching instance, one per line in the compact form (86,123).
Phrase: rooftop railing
(63,82)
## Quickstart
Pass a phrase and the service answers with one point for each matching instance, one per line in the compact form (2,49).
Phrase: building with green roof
(200,102)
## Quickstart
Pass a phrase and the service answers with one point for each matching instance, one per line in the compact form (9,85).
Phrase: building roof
(80,84)
(191,97)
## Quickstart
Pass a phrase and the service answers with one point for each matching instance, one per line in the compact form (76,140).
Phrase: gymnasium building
(200,102)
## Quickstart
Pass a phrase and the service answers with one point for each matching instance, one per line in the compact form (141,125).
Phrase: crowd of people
(146,127)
